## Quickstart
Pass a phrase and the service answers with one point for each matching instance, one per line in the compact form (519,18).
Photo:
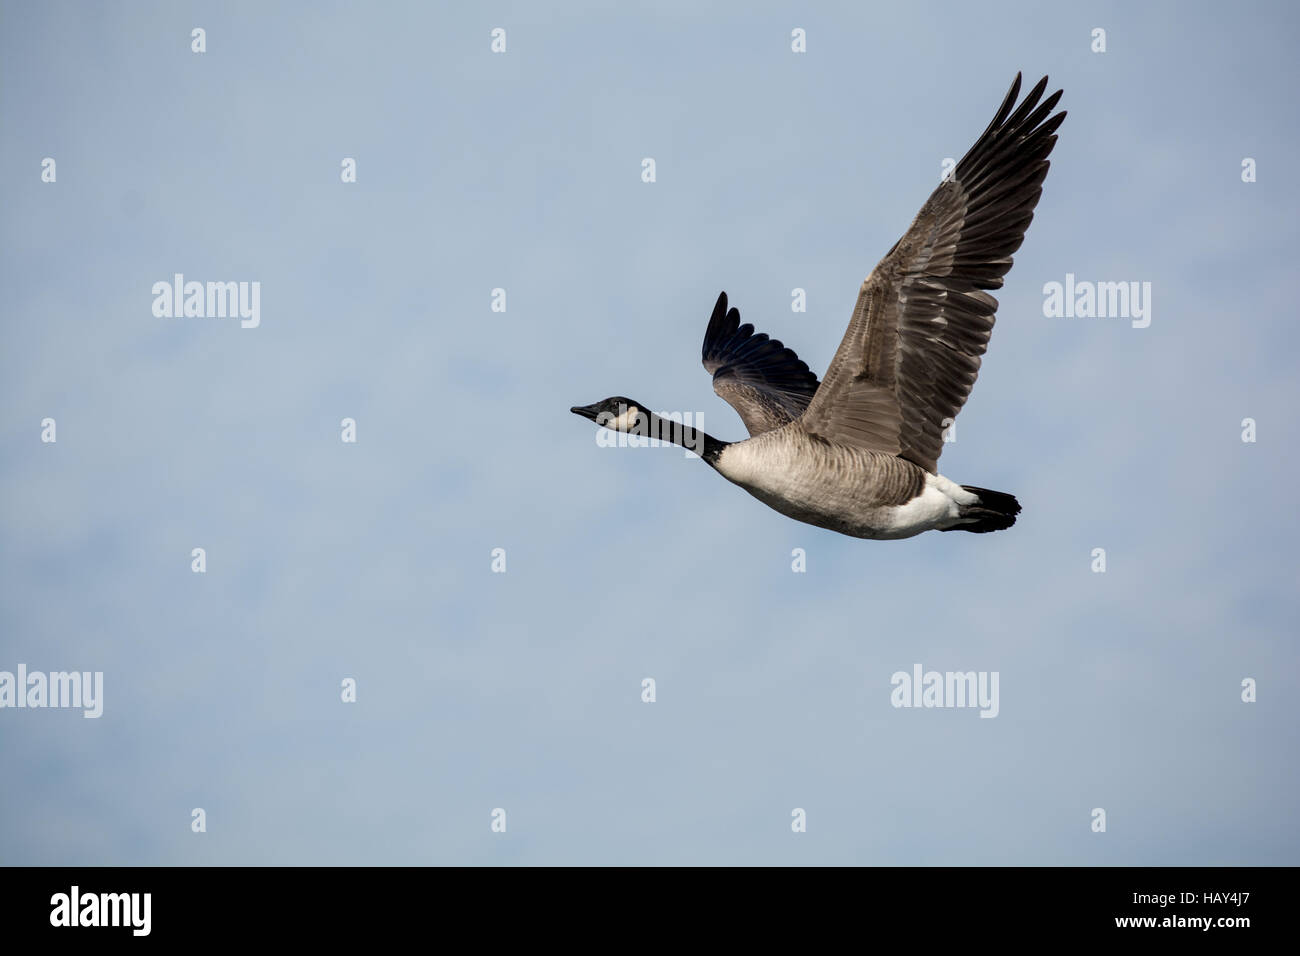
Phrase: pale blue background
(522,691)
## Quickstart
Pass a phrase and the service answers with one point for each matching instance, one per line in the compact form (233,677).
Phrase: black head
(618,413)
(622,414)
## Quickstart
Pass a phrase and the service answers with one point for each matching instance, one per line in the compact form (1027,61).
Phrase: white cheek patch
(623,422)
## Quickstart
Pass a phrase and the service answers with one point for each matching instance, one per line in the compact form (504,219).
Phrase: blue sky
(522,690)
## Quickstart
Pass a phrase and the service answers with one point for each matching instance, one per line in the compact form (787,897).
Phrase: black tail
(994,511)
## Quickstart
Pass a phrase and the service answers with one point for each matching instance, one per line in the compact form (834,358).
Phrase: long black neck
(688,436)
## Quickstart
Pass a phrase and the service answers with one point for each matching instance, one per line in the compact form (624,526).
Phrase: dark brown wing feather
(912,350)
(756,375)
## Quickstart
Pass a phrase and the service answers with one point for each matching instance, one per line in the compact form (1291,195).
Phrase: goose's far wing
(765,382)
(912,350)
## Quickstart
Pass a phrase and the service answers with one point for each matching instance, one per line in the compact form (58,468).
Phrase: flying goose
(857,452)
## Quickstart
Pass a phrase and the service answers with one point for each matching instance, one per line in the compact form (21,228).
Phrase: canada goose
(857,452)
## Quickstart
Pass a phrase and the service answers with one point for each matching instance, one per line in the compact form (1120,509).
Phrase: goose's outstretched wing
(912,349)
(765,382)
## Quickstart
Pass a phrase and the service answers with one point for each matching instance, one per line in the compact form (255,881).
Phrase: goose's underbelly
(863,494)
